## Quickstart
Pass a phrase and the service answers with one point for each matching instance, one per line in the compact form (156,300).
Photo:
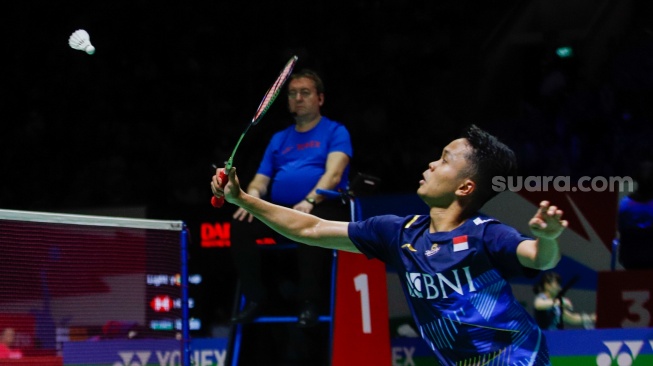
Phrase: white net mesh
(79,278)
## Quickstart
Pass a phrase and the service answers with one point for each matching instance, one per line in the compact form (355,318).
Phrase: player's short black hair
(309,74)
(546,277)
(489,158)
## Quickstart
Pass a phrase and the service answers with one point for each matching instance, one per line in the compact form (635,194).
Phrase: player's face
(8,336)
(445,175)
(303,98)
(552,287)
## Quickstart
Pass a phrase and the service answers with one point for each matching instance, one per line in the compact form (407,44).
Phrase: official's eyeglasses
(305,93)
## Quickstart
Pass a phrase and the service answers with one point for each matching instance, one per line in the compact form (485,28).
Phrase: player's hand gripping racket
(267,101)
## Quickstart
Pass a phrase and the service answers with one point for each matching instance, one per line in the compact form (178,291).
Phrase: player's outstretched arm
(543,252)
(293,224)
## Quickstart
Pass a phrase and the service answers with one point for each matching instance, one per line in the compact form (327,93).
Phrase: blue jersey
(635,215)
(295,161)
(635,224)
(455,284)
(547,319)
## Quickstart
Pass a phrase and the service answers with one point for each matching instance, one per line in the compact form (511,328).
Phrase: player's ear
(320,99)
(466,188)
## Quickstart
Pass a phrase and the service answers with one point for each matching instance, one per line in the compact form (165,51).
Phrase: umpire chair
(361,183)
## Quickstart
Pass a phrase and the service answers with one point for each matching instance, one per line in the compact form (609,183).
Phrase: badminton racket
(263,107)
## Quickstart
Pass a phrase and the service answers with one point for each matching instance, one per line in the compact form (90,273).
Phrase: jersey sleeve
(341,141)
(375,237)
(501,242)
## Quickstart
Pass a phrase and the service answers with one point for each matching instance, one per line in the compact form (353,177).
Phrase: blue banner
(597,347)
(144,352)
(601,347)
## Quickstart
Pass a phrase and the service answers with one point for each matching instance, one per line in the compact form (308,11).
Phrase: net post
(185,338)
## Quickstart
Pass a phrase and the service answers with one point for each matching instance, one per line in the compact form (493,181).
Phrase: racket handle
(215,201)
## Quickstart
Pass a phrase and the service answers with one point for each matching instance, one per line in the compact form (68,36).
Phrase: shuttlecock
(80,40)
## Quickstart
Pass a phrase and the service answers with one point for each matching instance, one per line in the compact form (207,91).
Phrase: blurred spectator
(6,341)
(548,297)
(635,221)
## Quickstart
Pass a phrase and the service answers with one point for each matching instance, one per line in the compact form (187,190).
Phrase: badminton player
(454,263)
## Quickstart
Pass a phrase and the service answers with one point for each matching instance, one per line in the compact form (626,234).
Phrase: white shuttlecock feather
(80,40)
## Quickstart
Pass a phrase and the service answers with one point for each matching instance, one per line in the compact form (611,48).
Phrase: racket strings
(274,90)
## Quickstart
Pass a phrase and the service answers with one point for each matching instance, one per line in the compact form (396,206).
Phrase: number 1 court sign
(361,333)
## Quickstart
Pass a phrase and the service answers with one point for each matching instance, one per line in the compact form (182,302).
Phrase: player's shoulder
(407,222)
(414,222)
(491,227)
(483,220)
(487,225)
(541,295)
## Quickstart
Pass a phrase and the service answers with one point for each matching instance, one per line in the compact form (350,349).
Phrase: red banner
(624,299)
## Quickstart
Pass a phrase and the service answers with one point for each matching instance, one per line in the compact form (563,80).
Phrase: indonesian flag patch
(460,243)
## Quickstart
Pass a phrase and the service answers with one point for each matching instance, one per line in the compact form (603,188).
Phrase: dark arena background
(134,129)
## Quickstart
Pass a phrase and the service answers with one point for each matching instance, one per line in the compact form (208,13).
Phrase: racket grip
(215,201)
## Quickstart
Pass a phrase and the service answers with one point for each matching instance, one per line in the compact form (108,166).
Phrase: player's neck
(446,219)
(306,123)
